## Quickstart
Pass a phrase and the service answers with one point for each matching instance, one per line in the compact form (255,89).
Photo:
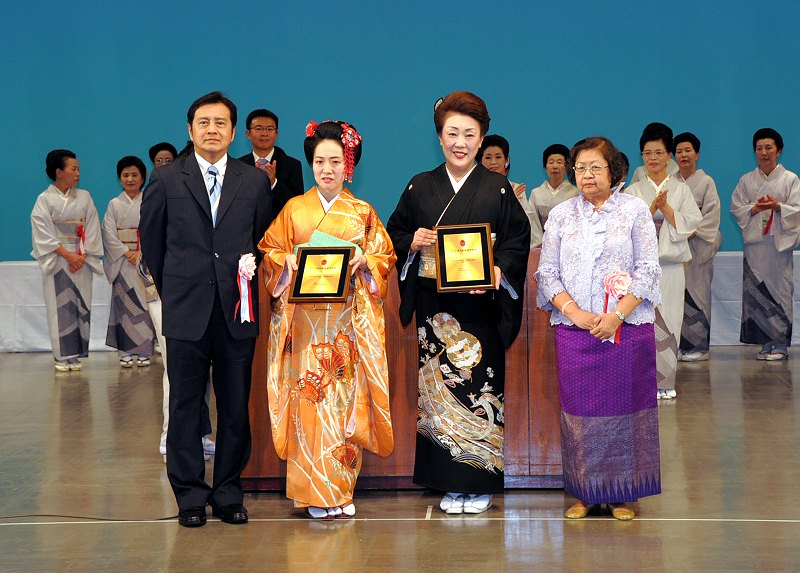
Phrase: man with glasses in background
(285,172)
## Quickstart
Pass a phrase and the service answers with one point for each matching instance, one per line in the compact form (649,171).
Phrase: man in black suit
(199,215)
(285,172)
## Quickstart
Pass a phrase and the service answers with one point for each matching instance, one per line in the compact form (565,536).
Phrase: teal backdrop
(108,79)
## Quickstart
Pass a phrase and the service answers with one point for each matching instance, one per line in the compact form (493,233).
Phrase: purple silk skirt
(609,414)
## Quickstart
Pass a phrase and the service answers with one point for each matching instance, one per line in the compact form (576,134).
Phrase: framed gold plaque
(323,274)
(464,259)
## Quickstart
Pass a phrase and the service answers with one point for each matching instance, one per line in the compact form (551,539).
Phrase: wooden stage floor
(83,488)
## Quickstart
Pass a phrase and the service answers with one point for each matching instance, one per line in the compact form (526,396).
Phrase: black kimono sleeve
(401,226)
(511,250)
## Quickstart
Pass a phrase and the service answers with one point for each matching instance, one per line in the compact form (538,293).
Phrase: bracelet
(566,304)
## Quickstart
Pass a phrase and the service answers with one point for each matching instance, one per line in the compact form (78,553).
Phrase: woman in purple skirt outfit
(599,274)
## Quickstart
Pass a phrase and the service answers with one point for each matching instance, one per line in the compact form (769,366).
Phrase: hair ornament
(350,140)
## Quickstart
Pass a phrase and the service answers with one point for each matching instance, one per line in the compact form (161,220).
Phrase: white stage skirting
(23,317)
(23,320)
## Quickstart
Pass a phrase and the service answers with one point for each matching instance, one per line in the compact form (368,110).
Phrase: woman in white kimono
(766,204)
(555,190)
(493,154)
(704,244)
(130,328)
(640,173)
(676,216)
(67,246)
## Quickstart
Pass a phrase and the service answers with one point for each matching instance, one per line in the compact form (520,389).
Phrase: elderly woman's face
(495,160)
(70,175)
(655,157)
(556,166)
(131,180)
(592,175)
(460,139)
(767,154)
(686,156)
(163,157)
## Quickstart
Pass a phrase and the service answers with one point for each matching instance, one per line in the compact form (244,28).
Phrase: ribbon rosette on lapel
(616,285)
(247,268)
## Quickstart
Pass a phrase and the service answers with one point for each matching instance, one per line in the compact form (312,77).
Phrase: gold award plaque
(321,274)
(464,259)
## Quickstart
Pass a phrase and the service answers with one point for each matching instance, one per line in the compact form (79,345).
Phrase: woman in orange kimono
(327,381)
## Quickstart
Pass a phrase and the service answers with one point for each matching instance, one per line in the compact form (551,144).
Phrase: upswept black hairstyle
(688,137)
(159,147)
(329,130)
(57,159)
(555,149)
(495,140)
(657,132)
(768,133)
(132,161)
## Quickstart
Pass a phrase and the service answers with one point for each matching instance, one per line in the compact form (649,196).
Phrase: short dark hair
(465,103)
(57,159)
(555,149)
(768,133)
(213,97)
(657,132)
(688,137)
(610,154)
(495,140)
(132,161)
(329,130)
(260,113)
(159,147)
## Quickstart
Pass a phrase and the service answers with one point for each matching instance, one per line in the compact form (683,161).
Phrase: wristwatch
(620,315)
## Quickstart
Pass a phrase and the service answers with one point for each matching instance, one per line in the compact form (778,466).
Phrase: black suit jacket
(190,259)
(290,177)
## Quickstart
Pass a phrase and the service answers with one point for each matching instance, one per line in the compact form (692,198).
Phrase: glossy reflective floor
(79,465)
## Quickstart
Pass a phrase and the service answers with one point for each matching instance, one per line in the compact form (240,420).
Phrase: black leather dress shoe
(235,514)
(192,516)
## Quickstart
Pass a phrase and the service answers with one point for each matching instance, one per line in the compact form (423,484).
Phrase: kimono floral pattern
(470,431)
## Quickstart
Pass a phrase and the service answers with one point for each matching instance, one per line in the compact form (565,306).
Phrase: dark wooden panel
(544,409)
(533,442)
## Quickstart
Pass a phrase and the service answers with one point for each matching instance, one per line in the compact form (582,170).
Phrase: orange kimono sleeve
(278,241)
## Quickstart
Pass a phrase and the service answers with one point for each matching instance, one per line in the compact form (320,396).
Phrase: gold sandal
(621,511)
(578,510)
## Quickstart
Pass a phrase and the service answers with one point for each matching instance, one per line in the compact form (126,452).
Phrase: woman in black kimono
(462,336)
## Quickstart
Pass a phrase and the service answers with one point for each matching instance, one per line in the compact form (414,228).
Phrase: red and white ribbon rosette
(81,232)
(616,284)
(247,268)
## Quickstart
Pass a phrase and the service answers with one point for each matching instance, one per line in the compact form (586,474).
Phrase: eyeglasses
(262,129)
(593,169)
(657,154)
(555,162)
